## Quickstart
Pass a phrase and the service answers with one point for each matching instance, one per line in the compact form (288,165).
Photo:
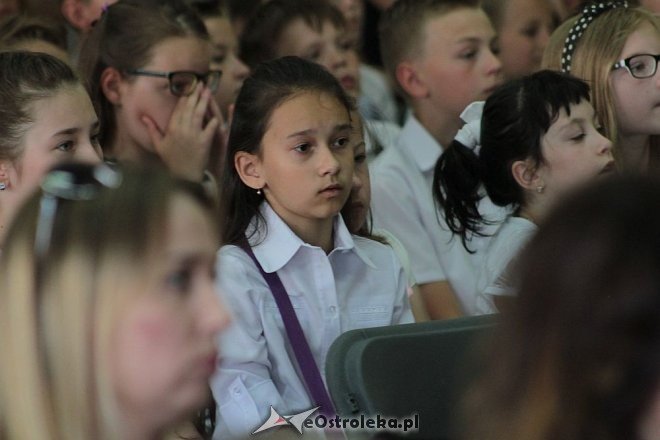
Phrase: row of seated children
(442,56)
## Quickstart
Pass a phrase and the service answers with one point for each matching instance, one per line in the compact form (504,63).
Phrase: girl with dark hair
(289,173)
(146,65)
(537,138)
(317,31)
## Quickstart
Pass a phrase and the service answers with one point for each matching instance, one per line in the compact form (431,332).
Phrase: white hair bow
(470,134)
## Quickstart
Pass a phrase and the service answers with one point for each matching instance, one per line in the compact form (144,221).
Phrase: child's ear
(111,82)
(249,169)
(526,175)
(410,81)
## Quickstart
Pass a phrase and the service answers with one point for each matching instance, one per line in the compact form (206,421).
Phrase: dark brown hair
(515,118)
(267,88)
(262,33)
(209,8)
(578,356)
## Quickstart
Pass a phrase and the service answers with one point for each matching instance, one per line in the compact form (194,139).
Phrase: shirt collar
(277,243)
(344,241)
(419,144)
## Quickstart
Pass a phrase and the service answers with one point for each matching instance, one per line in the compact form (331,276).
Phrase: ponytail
(456,182)
(510,127)
(458,176)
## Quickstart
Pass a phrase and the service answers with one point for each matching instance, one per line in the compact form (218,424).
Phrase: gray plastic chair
(402,370)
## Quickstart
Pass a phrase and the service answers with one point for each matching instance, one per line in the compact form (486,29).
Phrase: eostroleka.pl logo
(368,423)
(295,420)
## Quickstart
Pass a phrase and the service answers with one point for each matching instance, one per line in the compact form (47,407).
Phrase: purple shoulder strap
(304,356)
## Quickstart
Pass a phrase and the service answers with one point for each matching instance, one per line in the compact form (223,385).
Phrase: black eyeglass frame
(203,77)
(625,64)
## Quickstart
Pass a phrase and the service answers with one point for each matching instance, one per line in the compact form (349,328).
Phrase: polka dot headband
(589,13)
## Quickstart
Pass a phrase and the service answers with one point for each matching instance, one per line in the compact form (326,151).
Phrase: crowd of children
(197,200)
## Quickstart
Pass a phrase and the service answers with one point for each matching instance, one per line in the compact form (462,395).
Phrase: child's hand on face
(220,139)
(185,145)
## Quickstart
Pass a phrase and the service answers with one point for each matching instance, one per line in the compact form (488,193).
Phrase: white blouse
(359,284)
(502,252)
(402,202)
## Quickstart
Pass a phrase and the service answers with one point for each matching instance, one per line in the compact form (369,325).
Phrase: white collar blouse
(359,284)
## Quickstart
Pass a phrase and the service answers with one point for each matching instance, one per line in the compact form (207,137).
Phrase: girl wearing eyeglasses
(617,54)
(46,117)
(108,309)
(147,66)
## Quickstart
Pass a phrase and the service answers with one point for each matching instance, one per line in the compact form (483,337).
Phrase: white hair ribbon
(470,134)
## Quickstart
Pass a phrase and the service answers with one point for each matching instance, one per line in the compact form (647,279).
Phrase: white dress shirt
(376,100)
(378,136)
(402,202)
(502,251)
(359,284)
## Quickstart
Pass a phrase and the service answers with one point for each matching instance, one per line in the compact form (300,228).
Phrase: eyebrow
(74,130)
(578,121)
(337,128)
(469,40)
(475,40)
(572,121)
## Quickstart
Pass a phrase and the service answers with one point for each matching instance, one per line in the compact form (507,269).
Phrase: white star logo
(275,419)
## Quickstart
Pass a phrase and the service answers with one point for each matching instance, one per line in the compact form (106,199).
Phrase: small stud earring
(259,192)
(540,188)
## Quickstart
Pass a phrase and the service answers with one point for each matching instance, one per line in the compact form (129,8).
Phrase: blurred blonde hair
(596,52)
(55,380)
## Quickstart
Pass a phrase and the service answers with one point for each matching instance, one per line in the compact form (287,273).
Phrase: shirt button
(332,309)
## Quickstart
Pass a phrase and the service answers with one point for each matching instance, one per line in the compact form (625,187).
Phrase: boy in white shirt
(439,52)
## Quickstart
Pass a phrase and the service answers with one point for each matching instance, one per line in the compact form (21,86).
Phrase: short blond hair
(595,53)
(402,29)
